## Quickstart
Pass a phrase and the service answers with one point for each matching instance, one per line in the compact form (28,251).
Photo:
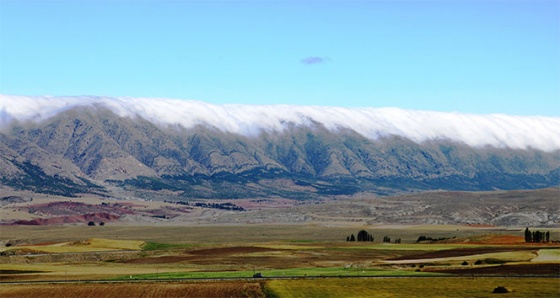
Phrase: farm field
(149,289)
(316,259)
(232,233)
(414,287)
(331,287)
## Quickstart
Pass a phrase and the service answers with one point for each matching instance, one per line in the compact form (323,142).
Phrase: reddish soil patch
(522,269)
(67,212)
(459,252)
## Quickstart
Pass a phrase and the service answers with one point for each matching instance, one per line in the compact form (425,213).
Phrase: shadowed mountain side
(84,148)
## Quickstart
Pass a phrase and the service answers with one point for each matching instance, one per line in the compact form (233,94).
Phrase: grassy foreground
(332,287)
(414,287)
(136,260)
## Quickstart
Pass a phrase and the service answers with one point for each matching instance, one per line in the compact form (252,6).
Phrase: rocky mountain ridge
(92,149)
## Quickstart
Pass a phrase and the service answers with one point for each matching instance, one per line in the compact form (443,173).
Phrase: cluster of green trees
(363,235)
(536,236)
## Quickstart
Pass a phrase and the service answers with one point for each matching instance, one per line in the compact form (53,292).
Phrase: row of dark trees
(424,238)
(363,235)
(222,206)
(530,236)
(387,239)
(91,223)
(536,236)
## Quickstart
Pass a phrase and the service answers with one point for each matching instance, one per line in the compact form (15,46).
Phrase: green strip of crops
(163,246)
(295,272)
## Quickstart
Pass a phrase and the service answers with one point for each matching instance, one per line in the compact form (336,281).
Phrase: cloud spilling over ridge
(518,132)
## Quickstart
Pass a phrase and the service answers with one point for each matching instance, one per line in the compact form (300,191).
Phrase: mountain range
(72,145)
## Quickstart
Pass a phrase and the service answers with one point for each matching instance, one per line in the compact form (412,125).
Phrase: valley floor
(213,248)
(294,261)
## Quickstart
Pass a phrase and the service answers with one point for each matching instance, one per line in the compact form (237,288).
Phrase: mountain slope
(88,148)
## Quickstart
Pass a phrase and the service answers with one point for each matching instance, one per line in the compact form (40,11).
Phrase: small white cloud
(312,60)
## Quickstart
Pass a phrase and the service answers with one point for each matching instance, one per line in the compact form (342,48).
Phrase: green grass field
(163,246)
(294,272)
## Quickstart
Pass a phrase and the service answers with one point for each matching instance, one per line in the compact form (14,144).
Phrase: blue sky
(466,56)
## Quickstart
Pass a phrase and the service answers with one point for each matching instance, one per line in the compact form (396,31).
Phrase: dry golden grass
(414,287)
(232,233)
(547,255)
(116,244)
(90,245)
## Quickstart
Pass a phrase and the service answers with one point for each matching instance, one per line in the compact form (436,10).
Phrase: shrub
(500,290)
(422,238)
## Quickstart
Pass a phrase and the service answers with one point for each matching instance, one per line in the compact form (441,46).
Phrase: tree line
(430,239)
(222,206)
(536,236)
(363,235)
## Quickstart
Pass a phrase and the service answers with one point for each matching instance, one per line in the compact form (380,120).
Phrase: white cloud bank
(518,132)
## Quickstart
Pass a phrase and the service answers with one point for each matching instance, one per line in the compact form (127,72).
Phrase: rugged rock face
(89,149)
